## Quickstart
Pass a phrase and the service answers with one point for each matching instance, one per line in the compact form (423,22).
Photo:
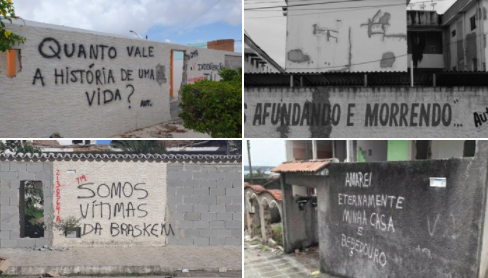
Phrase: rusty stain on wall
(387,60)
(297,56)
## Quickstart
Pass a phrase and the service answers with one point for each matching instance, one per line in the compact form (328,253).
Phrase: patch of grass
(277,234)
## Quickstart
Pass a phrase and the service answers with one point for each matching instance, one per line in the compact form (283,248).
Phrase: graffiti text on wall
(96,75)
(58,197)
(480,118)
(326,114)
(120,202)
(367,212)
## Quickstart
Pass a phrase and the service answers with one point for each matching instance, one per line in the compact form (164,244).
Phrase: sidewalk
(124,261)
(261,261)
(174,129)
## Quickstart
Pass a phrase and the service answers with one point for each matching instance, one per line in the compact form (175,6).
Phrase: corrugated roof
(119,157)
(302,166)
(421,78)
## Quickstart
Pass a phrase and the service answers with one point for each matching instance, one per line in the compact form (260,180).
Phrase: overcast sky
(268,28)
(162,20)
(265,152)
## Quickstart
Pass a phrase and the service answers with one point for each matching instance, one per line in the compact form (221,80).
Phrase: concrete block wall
(87,95)
(349,116)
(205,203)
(11,176)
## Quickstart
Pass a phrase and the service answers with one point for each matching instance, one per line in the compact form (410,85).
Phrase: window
(453,33)
(473,22)
(425,42)
(31,209)
(422,148)
(469,148)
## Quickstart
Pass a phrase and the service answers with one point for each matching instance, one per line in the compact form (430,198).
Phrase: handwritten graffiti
(138,52)
(146,103)
(194,54)
(210,66)
(51,48)
(328,32)
(480,118)
(379,24)
(81,178)
(146,73)
(190,80)
(366,211)
(326,114)
(58,197)
(444,226)
(119,200)
(90,76)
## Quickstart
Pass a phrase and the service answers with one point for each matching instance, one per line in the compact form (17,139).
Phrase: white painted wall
(447,149)
(462,102)
(36,111)
(341,42)
(373,150)
(149,197)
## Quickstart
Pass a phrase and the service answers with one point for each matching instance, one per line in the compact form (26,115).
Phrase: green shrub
(214,107)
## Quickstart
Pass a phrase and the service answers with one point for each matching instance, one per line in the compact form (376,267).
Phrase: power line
(194,19)
(300,5)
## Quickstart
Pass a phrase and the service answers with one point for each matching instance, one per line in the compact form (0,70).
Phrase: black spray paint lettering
(145,230)
(116,190)
(194,54)
(296,114)
(137,52)
(51,48)
(126,75)
(128,98)
(408,115)
(90,76)
(38,75)
(210,66)
(480,118)
(146,73)
(103,97)
(146,103)
(105,210)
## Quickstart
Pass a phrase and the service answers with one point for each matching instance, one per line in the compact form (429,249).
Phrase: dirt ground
(174,129)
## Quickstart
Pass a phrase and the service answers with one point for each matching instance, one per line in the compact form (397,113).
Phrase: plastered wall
(118,203)
(370,112)
(84,84)
(346,36)
(126,203)
(419,229)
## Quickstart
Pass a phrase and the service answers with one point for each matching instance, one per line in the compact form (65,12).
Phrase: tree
(214,107)
(7,38)
(140,146)
(18,146)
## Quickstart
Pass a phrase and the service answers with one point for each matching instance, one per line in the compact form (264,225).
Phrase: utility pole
(249,157)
